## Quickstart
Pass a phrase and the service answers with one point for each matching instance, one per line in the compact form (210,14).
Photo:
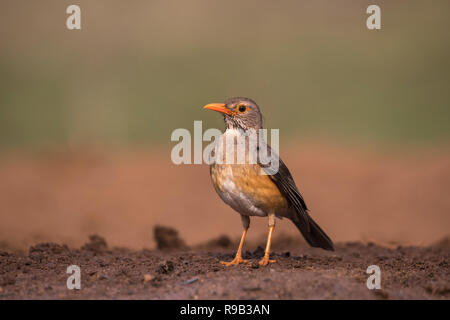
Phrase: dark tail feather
(315,236)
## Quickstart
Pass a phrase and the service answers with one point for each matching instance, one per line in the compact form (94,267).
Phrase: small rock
(190,281)
(166,267)
(148,278)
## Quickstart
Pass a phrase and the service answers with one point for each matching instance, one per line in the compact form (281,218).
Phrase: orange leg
(265,260)
(238,259)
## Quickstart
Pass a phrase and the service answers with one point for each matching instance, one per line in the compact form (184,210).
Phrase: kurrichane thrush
(247,190)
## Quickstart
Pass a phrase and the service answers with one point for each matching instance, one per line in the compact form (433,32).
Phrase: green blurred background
(86,115)
(138,70)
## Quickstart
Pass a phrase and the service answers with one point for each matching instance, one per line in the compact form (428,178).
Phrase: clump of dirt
(300,272)
(166,267)
(222,241)
(443,243)
(95,244)
(167,238)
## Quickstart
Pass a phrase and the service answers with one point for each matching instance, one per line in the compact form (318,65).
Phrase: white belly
(238,201)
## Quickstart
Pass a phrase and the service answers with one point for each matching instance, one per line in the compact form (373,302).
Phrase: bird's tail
(312,233)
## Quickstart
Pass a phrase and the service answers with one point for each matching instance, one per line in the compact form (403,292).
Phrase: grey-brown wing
(310,230)
(285,183)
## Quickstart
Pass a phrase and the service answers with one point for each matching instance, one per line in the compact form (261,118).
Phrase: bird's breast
(245,189)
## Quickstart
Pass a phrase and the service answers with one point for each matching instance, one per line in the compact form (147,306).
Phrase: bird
(245,189)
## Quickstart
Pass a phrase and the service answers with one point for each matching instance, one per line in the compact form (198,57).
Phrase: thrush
(251,190)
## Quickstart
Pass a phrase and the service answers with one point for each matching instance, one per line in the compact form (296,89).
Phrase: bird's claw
(265,261)
(237,260)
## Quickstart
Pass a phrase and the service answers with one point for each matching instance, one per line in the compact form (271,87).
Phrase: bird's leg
(265,260)
(238,258)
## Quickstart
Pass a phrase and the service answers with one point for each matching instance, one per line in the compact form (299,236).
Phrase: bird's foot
(265,261)
(237,260)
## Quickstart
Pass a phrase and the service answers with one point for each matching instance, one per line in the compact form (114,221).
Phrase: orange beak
(219,107)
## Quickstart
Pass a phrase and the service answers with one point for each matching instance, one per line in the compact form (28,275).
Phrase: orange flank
(247,179)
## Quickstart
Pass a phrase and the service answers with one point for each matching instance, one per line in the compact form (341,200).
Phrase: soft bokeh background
(86,116)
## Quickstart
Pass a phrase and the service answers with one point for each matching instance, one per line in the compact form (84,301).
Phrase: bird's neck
(234,131)
(237,124)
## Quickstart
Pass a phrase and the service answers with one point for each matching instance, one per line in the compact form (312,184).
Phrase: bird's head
(239,113)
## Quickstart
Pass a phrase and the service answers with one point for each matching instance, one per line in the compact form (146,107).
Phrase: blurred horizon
(134,73)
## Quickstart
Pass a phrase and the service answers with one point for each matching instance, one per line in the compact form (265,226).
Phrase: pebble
(190,281)
(147,278)
(166,267)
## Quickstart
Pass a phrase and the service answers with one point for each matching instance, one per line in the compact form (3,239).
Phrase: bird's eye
(242,108)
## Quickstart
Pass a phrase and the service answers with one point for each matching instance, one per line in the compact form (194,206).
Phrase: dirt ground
(195,273)
(388,208)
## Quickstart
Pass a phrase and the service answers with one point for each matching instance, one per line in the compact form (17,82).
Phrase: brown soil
(299,273)
(390,198)
(384,208)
